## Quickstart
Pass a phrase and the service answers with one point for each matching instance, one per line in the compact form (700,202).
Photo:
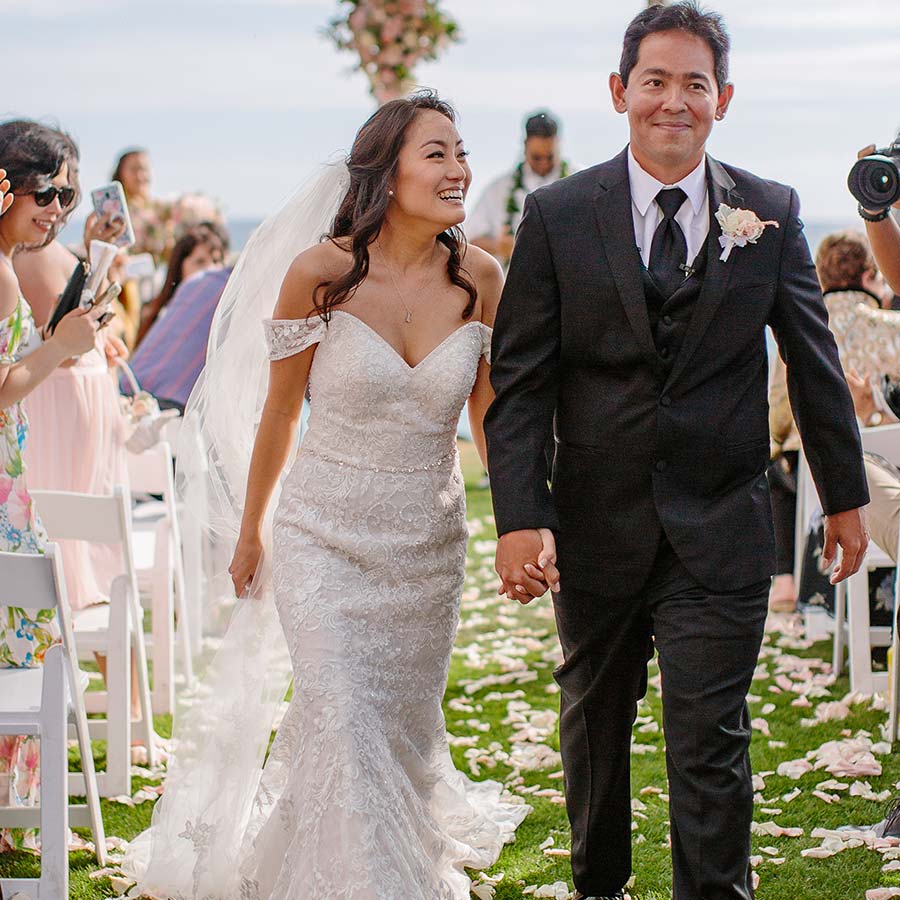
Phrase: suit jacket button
(660,465)
(665,401)
(664,352)
(667,321)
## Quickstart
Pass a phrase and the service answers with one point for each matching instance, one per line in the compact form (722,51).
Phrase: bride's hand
(546,568)
(245,563)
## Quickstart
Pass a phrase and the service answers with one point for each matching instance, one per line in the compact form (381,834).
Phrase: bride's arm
(489,280)
(276,435)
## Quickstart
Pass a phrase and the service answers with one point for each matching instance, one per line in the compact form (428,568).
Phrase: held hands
(526,564)
(6,198)
(246,559)
(847,530)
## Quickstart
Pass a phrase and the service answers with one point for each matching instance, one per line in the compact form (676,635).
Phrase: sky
(240,99)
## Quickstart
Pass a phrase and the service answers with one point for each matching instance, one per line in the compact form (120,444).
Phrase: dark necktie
(668,252)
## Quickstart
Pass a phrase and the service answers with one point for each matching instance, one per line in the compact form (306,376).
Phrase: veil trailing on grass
(212,806)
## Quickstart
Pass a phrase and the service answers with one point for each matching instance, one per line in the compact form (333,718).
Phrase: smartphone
(110,200)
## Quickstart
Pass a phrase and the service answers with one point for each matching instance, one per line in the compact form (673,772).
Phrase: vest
(670,316)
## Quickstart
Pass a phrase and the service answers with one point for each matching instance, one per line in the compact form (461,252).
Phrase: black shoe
(618,895)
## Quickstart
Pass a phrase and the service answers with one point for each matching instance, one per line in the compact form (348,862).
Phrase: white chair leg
(118,695)
(163,606)
(183,632)
(54,880)
(840,621)
(139,648)
(88,770)
(858,626)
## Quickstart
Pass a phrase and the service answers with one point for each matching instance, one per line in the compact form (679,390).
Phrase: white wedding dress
(368,568)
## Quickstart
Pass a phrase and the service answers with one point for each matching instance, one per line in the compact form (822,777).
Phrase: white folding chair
(197,549)
(860,635)
(108,629)
(160,568)
(39,702)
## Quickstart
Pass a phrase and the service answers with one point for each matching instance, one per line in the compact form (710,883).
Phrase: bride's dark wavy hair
(373,164)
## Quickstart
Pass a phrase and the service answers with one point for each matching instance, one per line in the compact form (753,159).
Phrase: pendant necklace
(408,317)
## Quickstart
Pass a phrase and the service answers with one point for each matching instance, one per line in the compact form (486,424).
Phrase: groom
(623,322)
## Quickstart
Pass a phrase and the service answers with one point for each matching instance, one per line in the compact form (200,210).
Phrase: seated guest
(868,340)
(883,511)
(866,329)
(173,352)
(202,247)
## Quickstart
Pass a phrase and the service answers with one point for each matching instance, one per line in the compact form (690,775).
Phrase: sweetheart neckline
(383,340)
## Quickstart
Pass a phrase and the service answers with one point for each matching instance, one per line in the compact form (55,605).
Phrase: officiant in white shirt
(492,224)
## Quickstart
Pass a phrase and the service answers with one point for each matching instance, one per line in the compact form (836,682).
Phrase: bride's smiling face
(433,174)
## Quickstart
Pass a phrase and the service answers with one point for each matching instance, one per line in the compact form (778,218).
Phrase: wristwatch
(873,217)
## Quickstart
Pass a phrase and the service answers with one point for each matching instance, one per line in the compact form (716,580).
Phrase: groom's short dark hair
(687,16)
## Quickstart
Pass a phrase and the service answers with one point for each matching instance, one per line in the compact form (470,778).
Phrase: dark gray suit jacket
(643,447)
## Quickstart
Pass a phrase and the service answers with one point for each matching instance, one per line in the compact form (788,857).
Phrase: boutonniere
(739,228)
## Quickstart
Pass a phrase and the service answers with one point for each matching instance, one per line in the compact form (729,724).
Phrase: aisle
(817,753)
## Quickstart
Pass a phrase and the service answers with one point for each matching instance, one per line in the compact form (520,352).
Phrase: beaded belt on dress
(393,470)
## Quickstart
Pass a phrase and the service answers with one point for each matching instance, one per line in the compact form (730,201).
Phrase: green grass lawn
(501,688)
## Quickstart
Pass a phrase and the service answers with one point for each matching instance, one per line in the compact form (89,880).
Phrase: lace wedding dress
(363,801)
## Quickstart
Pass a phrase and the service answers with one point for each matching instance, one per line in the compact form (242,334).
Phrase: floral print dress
(25,634)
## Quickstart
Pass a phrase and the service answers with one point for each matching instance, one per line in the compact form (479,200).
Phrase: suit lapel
(718,273)
(612,208)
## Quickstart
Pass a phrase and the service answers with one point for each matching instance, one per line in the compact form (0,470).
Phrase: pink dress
(77,443)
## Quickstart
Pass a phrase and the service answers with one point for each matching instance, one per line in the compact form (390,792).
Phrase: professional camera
(875,180)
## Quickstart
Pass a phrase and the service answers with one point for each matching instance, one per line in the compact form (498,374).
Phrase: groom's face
(671,100)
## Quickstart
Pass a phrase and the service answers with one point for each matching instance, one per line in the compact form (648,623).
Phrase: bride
(388,323)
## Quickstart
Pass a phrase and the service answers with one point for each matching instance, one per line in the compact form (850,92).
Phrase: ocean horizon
(240,229)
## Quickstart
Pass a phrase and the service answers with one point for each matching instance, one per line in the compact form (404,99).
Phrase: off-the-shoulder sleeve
(486,334)
(287,337)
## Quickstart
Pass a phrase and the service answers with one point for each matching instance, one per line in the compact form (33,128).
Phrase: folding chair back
(39,701)
(108,630)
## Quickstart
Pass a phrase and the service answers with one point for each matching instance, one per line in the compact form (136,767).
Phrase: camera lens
(875,182)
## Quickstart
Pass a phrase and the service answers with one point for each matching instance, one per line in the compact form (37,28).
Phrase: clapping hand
(6,198)
(526,564)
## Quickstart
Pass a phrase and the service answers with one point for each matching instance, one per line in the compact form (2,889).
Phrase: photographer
(883,232)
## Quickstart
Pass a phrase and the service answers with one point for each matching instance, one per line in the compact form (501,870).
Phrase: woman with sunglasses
(76,406)
(37,176)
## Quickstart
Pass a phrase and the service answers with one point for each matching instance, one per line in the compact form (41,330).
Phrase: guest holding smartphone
(37,176)
(77,406)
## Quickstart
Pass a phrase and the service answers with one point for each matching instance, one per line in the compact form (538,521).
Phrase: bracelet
(873,217)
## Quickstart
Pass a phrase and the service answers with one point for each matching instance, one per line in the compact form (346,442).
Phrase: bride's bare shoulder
(488,277)
(319,264)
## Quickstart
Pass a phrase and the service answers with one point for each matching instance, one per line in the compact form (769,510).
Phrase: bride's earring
(390,193)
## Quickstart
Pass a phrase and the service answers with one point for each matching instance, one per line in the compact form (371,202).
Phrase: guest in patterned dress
(36,175)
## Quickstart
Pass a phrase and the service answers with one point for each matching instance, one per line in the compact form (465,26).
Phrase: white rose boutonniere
(739,228)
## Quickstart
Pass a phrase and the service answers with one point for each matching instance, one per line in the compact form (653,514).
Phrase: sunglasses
(46,196)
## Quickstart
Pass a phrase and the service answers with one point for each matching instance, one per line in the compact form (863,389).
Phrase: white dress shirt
(693,217)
